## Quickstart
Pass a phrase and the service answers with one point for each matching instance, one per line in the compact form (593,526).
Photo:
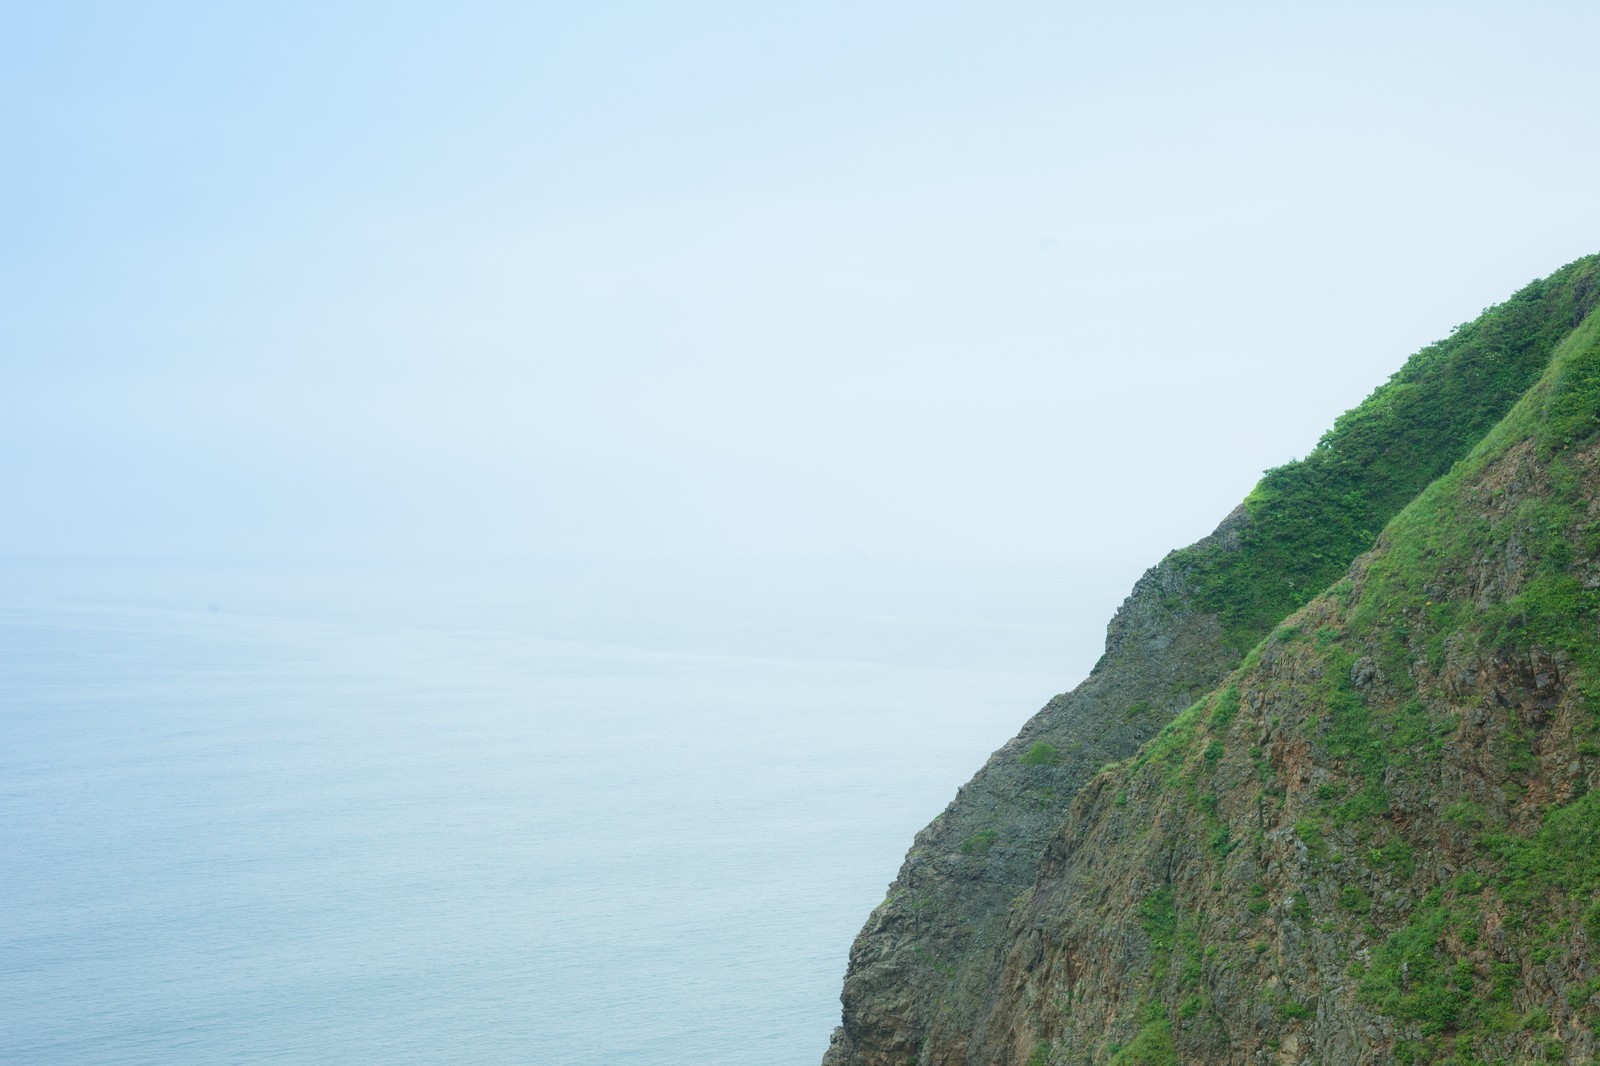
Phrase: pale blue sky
(1024,280)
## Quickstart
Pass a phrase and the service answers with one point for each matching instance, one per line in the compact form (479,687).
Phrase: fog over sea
(574,813)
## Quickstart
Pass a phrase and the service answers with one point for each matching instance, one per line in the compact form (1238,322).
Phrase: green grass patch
(1571,414)
(1309,830)
(1151,1047)
(1412,976)
(1224,709)
(980,842)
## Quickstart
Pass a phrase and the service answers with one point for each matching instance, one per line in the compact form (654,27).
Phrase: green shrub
(1310,833)
(1354,899)
(1289,1009)
(1042,753)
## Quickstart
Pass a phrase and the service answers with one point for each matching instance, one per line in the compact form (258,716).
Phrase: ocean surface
(572,814)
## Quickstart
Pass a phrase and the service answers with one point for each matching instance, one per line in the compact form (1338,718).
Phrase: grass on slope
(1310,518)
(1426,971)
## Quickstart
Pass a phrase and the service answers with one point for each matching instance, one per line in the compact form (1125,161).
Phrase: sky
(1012,281)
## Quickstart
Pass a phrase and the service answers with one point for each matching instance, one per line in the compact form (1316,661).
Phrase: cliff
(1280,832)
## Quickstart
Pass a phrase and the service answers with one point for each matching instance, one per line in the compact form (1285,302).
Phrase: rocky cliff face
(922,971)
(1299,866)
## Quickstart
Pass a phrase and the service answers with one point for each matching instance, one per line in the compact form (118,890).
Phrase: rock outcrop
(921,972)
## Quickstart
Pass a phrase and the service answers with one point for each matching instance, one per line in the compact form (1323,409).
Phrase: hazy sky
(1027,280)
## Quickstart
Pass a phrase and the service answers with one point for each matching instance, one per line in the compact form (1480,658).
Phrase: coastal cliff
(1217,846)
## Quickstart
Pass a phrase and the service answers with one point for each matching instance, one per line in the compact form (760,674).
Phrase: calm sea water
(543,820)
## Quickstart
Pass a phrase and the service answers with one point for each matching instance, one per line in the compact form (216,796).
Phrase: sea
(555,812)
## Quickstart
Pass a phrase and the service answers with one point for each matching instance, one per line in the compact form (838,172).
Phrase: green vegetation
(1466,814)
(1354,899)
(1438,534)
(1041,754)
(1572,409)
(1561,860)
(1308,519)
(1311,835)
(980,842)
(1151,1047)
(1412,978)
(1225,709)
(1158,917)
(1169,747)
(1258,899)
(1293,1009)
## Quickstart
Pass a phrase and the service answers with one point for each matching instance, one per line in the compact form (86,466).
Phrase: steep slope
(924,973)
(1379,841)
